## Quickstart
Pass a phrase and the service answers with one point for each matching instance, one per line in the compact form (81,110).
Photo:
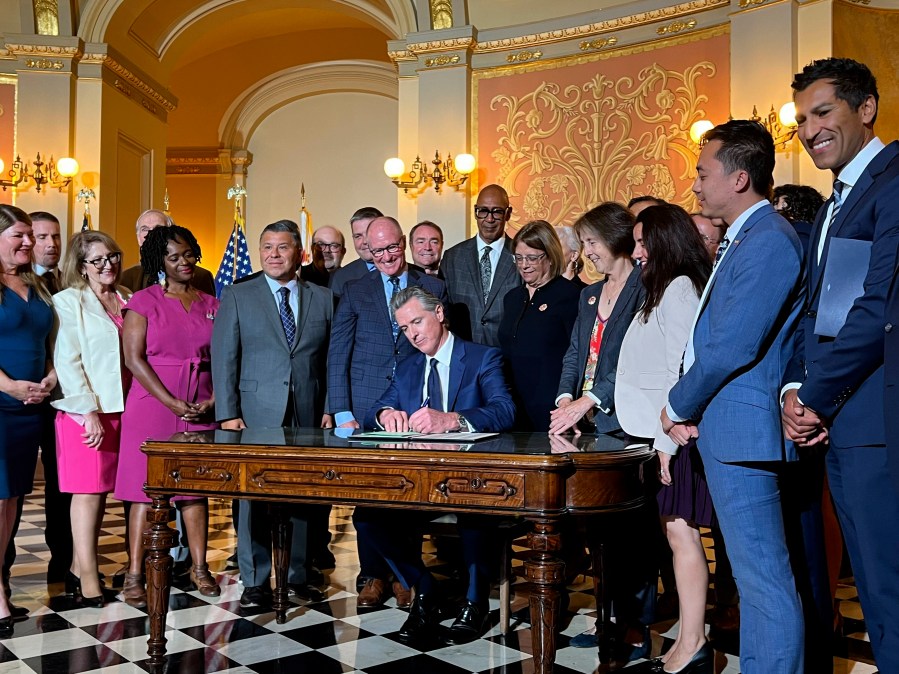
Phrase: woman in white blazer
(87,354)
(675,268)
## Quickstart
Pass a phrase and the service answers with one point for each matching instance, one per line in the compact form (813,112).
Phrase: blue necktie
(396,288)
(287,320)
(435,390)
(725,242)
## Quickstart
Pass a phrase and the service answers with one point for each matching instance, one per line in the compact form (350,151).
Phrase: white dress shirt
(293,299)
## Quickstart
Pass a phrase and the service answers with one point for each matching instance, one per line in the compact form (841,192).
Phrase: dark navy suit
(843,381)
(477,390)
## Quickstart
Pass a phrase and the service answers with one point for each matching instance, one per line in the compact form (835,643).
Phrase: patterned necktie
(486,268)
(396,288)
(725,242)
(287,320)
(837,202)
(435,390)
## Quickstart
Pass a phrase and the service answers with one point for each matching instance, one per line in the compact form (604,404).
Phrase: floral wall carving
(566,136)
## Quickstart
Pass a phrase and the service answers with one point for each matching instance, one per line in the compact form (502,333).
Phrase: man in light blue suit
(738,350)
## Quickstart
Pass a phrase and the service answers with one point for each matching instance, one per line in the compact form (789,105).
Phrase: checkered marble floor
(216,635)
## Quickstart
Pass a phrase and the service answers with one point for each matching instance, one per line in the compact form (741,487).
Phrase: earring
(84,275)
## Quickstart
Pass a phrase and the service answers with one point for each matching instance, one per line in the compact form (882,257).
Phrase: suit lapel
(269,307)
(503,268)
(415,384)
(474,265)
(304,299)
(457,370)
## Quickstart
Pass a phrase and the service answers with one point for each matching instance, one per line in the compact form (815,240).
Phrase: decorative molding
(524,56)
(442,61)
(860,2)
(452,44)
(125,77)
(441,14)
(44,64)
(586,30)
(43,50)
(193,161)
(676,27)
(752,3)
(401,55)
(598,43)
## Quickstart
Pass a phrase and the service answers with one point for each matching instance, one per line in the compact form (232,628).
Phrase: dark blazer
(842,377)
(309,272)
(477,389)
(355,269)
(254,372)
(575,361)
(891,378)
(535,333)
(363,355)
(732,388)
(134,279)
(470,317)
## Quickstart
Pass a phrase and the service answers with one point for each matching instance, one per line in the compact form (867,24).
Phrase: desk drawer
(326,480)
(478,488)
(200,475)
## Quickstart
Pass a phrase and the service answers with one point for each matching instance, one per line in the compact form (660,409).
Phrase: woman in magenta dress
(168,331)
(87,353)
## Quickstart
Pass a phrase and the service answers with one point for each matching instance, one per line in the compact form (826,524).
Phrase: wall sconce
(452,172)
(781,125)
(58,174)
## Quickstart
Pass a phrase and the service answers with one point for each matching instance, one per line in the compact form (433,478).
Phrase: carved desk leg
(282,532)
(546,575)
(158,540)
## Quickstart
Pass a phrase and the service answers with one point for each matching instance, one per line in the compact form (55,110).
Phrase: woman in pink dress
(88,357)
(168,331)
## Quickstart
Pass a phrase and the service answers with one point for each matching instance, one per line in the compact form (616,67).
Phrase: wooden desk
(529,474)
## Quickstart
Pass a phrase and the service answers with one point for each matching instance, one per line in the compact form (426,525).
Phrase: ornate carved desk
(532,475)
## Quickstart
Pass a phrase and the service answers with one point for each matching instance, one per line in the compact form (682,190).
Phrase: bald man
(328,249)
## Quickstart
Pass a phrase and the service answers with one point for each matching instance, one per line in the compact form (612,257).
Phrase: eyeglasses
(333,247)
(708,239)
(530,259)
(392,248)
(99,263)
(481,212)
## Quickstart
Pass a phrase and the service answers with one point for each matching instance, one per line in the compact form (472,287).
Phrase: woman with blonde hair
(26,374)
(87,352)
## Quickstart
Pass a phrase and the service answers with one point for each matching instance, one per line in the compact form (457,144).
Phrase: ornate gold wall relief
(46,17)
(441,14)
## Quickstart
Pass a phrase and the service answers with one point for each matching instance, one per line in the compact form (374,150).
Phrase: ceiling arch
(256,103)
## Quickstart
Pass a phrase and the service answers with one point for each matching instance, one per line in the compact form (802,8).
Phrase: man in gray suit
(357,268)
(479,272)
(269,364)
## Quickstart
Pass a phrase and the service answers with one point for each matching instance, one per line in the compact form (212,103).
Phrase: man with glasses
(134,278)
(327,253)
(366,347)
(711,230)
(479,271)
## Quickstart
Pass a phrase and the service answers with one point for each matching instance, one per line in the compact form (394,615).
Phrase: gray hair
(168,219)
(285,226)
(427,300)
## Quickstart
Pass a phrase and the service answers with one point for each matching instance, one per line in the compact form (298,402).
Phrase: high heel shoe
(73,584)
(702,662)
(93,602)
(203,580)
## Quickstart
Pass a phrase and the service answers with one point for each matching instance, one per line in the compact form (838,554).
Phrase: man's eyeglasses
(333,247)
(99,263)
(530,259)
(707,239)
(392,248)
(481,212)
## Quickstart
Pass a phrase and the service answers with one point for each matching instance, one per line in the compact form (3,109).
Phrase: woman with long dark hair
(676,267)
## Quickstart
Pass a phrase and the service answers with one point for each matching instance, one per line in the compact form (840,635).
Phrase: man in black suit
(357,268)
(835,383)
(328,249)
(134,278)
(479,272)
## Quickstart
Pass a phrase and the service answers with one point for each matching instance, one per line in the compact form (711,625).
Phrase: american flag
(86,222)
(236,261)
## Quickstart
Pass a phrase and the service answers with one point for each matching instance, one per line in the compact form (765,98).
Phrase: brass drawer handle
(175,475)
(511,491)
(330,475)
(441,487)
(476,483)
(227,477)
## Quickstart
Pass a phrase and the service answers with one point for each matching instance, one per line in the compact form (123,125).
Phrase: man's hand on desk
(427,420)
(349,424)
(394,421)
(801,424)
(327,421)
(233,425)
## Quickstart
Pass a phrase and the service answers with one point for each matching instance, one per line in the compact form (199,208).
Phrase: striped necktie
(837,202)
(287,319)
(396,288)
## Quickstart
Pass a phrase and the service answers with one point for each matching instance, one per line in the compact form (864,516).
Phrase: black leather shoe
(305,592)
(470,624)
(424,617)
(256,596)
(18,612)
(6,628)
(702,662)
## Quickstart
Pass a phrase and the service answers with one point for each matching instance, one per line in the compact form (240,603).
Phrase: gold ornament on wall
(604,140)
(46,17)
(441,14)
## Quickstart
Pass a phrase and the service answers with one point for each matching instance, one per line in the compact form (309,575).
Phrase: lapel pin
(592,301)
(542,307)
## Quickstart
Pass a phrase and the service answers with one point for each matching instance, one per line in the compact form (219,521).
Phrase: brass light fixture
(53,174)
(453,172)
(781,125)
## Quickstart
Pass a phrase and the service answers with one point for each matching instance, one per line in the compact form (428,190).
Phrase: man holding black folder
(835,382)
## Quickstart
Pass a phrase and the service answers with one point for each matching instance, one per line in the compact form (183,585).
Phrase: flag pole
(236,193)
(85,194)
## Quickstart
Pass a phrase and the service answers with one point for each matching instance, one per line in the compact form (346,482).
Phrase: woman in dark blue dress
(26,375)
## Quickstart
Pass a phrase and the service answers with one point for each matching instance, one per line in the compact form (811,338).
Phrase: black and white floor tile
(216,635)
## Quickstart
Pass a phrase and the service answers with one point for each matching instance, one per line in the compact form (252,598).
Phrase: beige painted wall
(334,143)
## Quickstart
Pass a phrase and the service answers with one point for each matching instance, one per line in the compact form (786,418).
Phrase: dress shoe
(73,584)
(93,602)
(257,595)
(314,576)
(204,581)
(18,612)
(372,594)
(702,662)
(6,628)
(133,591)
(470,624)
(306,592)
(424,617)
(403,596)
(584,640)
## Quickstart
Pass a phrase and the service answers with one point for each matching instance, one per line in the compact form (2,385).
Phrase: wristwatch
(463,424)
